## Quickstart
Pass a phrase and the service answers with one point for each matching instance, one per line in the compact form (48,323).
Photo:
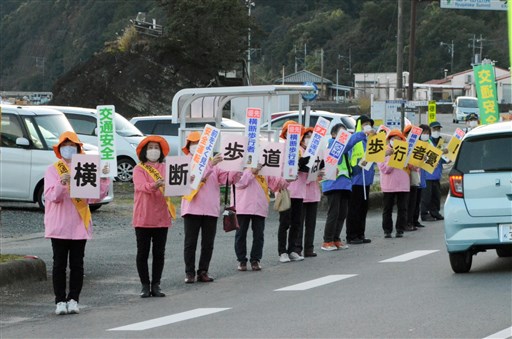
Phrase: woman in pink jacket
(395,185)
(67,223)
(200,211)
(151,212)
(252,203)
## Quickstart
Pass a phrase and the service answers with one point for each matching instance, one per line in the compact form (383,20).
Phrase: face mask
(307,141)
(192,149)
(367,128)
(153,154)
(68,151)
(473,124)
(424,137)
(436,134)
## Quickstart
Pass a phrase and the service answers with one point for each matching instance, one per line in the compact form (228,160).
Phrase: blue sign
(310,96)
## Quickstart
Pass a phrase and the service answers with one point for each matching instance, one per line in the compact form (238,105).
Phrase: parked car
(478,210)
(277,123)
(27,136)
(463,106)
(84,122)
(162,125)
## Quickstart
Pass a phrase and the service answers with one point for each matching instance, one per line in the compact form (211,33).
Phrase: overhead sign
(310,96)
(490,5)
(431,111)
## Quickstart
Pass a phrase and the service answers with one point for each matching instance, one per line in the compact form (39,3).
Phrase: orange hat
(164,146)
(192,137)
(306,131)
(71,136)
(284,130)
(407,129)
(395,133)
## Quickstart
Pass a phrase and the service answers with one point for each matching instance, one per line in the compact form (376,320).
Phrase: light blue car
(478,210)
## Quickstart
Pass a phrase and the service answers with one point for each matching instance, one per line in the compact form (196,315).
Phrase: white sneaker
(73,307)
(296,257)
(284,257)
(61,308)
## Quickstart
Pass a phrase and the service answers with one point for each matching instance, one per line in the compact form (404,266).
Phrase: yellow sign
(433,156)
(376,148)
(431,111)
(454,144)
(418,153)
(399,156)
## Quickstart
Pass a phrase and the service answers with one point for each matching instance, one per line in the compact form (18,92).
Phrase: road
(366,291)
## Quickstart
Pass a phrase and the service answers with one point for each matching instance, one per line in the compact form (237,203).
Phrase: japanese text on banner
(291,158)
(412,138)
(334,154)
(85,179)
(454,144)
(271,159)
(252,131)
(399,156)
(486,92)
(202,155)
(232,148)
(177,174)
(106,139)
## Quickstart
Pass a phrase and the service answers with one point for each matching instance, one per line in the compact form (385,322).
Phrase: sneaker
(295,257)
(399,234)
(329,246)
(190,278)
(242,266)
(62,308)
(73,307)
(284,257)
(255,266)
(340,245)
(387,235)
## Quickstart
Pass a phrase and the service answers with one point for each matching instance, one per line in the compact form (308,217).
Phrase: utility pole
(451,49)
(399,50)
(249,4)
(322,71)
(412,47)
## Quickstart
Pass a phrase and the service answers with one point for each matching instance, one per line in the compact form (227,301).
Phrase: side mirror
(23,142)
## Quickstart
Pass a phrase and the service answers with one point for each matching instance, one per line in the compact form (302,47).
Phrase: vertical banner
(319,133)
(412,138)
(399,156)
(454,144)
(292,151)
(486,92)
(106,139)
(334,154)
(202,154)
(315,167)
(271,159)
(177,174)
(85,180)
(252,131)
(432,111)
(232,148)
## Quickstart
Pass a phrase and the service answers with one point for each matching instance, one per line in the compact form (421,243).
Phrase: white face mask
(473,123)
(367,128)
(68,151)
(436,134)
(424,137)
(192,149)
(153,154)
(307,141)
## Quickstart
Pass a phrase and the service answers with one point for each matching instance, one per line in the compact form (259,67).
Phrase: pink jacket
(149,206)
(312,192)
(297,188)
(207,199)
(393,179)
(250,197)
(61,219)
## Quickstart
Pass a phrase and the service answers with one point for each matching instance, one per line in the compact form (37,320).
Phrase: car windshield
(468,103)
(51,127)
(125,128)
(489,153)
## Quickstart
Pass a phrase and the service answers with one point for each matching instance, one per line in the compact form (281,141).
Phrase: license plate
(505,231)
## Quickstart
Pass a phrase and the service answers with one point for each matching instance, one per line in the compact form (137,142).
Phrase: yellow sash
(192,194)
(157,176)
(263,183)
(81,205)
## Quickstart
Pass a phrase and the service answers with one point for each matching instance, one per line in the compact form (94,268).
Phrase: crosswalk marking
(170,319)
(316,282)
(409,256)
(506,333)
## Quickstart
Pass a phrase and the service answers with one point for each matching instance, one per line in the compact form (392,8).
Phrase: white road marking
(316,282)
(170,319)
(506,333)
(409,256)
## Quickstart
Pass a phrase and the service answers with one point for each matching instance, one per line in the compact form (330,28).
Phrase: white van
(84,122)
(463,106)
(27,136)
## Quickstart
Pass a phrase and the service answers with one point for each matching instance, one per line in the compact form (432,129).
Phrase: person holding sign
(67,223)
(395,185)
(415,178)
(200,210)
(152,212)
(471,122)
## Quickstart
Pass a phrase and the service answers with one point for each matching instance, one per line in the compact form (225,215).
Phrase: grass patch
(9,257)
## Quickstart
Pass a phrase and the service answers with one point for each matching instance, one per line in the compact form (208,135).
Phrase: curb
(30,268)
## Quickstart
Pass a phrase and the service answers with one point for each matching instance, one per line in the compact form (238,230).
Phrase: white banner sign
(232,148)
(202,155)
(490,5)
(272,154)
(107,139)
(252,131)
(291,158)
(334,154)
(85,179)
(177,176)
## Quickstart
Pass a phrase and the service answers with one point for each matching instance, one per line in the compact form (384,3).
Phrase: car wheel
(94,207)
(40,197)
(125,169)
(504,252)
(461,261)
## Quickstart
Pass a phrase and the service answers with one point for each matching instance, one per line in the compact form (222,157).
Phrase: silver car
(478,210)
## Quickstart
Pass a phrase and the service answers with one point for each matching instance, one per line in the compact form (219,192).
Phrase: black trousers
(431,198)
(289,220)
(307,227)
(258,229)
(357,211)
(146,236)
(62,249)
(337,206)
(387,210)
(208,227)
(413,210)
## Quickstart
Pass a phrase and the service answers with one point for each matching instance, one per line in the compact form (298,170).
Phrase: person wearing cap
(471,122)
(362,179)
(431,195)
(151,212)
(67,223)
(338,192)
(200,210)
(395,185)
